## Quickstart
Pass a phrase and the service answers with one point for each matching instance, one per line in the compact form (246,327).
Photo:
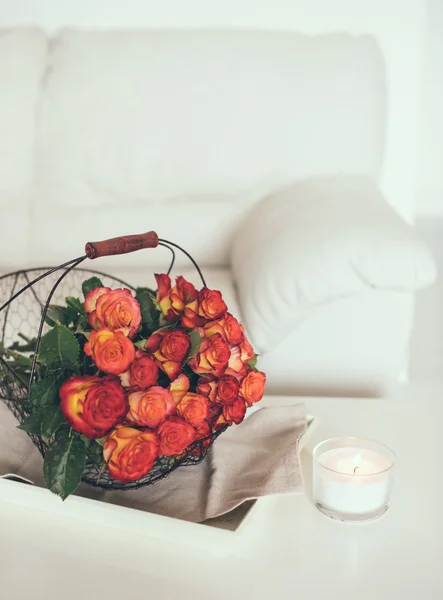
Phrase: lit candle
(352,478)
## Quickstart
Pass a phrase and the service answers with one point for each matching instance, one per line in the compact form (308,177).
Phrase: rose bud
(194,408)
(228,327)
(175,435)
(169,349)
(253,387)
(211,304)
(142,374)
(150,407)
(117,310)
(111,351)
(235,413)
(93,405)
(179,387)
(227,390)
(130,453)
(163,296)
(213,356)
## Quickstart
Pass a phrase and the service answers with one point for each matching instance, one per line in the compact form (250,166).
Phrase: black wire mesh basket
(25,297)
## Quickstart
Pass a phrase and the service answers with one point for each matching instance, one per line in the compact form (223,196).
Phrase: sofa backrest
(182,132)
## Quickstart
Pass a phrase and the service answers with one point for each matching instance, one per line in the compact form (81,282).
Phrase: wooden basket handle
(121,245)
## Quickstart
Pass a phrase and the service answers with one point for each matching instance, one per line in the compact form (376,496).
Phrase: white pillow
(319,240)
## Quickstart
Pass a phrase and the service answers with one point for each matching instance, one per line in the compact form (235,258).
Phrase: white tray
(218,535)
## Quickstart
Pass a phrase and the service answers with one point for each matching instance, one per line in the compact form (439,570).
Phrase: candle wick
(355,468)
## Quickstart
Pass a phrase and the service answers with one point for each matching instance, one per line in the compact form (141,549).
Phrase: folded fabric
(255,459)
(321,239)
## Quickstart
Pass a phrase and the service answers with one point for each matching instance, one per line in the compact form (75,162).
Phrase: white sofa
(188,133)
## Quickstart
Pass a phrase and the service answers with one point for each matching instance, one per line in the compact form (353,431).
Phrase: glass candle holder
(352,478)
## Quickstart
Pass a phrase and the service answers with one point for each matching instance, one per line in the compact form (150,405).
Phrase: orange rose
(228,327)
(130,453)
(213,356)
(220,422)
(179,387)
(93,405)
(115,309)
(111,351)
(252,387)
(142,374)
(170,348)
(194,408)
(211,304)
(150,407)
(174,300)
(235,413)
(175,436)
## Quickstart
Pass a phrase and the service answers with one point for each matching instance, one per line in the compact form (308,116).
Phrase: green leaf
(139,290)
(64,463)
(52,419)
(75,305)
(253,362)
(140,344)
(33,423)
(44,392)
(148,310)
(95,452)
(56,315)
(59,346)
(91,284)
(195,344)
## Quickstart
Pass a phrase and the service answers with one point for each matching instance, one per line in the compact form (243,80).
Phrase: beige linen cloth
(254,459)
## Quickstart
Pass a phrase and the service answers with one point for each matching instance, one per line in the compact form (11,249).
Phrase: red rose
(130,453)
(235,413)
(115,309)
(150,407)
(111,351)
(93,405)
(142,374)
(170,348)
(227,390)
(228,327)
(213,356)
(211,304)
(193,408)
(253,386)
(175,436)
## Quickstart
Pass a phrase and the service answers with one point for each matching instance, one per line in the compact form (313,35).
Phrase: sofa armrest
(320,240)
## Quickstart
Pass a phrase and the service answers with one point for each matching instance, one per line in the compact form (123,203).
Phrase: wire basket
(25,296)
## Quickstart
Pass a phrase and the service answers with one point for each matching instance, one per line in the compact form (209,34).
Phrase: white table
(295,553)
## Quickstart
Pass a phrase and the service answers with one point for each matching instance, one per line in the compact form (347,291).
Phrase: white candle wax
(352,479)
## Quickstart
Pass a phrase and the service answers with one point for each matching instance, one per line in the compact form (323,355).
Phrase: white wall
(429,196)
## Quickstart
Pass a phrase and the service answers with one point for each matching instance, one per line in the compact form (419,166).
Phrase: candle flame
(357,461)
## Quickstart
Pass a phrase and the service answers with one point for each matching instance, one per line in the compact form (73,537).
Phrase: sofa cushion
(319,240)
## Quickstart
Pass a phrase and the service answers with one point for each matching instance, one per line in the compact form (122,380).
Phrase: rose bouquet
(130,383)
